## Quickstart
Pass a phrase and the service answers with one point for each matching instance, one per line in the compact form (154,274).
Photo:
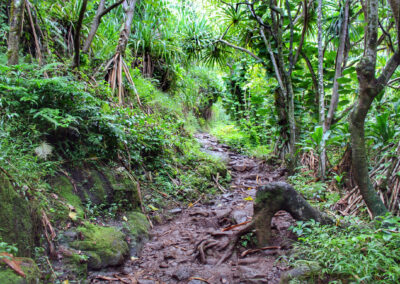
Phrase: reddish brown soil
(170,254)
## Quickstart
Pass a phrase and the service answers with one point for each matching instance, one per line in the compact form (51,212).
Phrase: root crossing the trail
(212,241)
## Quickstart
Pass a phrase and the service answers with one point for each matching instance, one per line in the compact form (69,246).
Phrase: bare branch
(387,35)
(388,71)
(242,49)
(111,7)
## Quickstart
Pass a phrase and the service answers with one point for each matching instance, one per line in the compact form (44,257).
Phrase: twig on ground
(250,251)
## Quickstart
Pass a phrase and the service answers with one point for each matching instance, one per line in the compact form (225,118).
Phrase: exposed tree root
(270,199)
(228,244)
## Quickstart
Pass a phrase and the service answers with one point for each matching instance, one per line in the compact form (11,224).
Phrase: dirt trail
(169,256)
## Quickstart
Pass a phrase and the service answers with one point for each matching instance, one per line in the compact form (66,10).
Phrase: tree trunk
(16,15)
(322,153)
(339,62)
(129,7)
(369,88)
(283,122)
(101,11)
(77,37)
(277,196)
(285,80)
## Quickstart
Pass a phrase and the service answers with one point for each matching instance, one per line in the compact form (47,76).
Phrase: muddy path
(170,254)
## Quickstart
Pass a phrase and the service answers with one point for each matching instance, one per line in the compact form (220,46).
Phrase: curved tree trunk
(369,88)
(277,196)
(16,21)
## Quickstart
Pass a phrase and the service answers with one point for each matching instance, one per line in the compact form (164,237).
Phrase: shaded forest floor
(170,254)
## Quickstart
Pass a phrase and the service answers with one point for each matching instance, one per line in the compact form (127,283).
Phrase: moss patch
(65,190)
(105,246)
(137,224)
(32,272)
(124,188)
(17,219)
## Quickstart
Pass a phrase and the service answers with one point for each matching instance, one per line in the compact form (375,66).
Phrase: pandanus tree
(117,66)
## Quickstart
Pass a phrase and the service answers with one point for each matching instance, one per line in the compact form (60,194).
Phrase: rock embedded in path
(239,216)
(146,281)
(175,211)
(197,281)
(182,273)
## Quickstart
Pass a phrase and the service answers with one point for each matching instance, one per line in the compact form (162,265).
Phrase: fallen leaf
(153,208)
(9,259)
(248,198)
(190,205)
(72,215)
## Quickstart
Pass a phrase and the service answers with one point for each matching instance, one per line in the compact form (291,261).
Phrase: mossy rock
(137,224)
(99,185)
(65,190)
(105,246)
(137,228)
(17,215)
(125,190)
(28,266)
(75,267)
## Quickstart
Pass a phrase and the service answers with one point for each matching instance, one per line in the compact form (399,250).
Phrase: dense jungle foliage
(100,101)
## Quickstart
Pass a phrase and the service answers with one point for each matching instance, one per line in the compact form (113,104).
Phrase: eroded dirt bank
(170,256)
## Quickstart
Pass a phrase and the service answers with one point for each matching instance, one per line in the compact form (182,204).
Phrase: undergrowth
(48,122)
(357,252)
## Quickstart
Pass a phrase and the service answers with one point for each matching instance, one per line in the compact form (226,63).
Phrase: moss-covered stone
(137,228)
(101,185)
(105,246)
(124,187)
(100,191)
(77,266)
(17,219)
(61,208)
(137,224)
(28,266)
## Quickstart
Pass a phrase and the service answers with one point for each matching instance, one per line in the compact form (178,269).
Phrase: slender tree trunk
(94,27)
(16,21)
(321,92)
(77,37)
(340,57)
(101,11)
(369,88)
(285,78)
(129,7)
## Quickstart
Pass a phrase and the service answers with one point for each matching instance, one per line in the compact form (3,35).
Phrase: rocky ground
(172,255)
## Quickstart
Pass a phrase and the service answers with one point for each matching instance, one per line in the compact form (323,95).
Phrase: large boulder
(99,186)
(104,246)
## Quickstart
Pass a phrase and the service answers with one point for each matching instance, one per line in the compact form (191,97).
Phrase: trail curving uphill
(171,255)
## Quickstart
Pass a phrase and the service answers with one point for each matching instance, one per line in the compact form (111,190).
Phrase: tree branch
(388,71)
(110,8)
(242,49)
(386,35)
